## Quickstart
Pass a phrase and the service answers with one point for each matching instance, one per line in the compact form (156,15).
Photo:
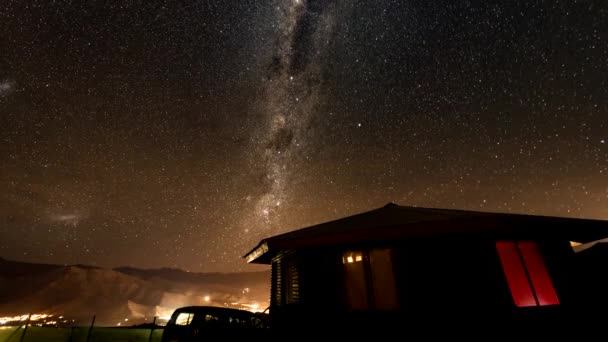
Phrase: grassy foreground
(78,334)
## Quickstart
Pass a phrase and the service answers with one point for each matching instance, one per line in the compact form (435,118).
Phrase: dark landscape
(78,292)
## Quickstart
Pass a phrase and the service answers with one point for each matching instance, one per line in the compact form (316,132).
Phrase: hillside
(113,295)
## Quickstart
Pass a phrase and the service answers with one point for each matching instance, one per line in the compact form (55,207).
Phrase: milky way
(291,98)
(181,133)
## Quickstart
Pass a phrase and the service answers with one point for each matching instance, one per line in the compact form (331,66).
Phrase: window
(184,318)
(354,276)
(211,318)
(352,257)
(383,279)
(285,281)
(291,277)
(526,273)
(370,280)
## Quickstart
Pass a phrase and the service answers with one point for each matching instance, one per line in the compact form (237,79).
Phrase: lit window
(352,257)
(370,281)
(526,274)
(184,318)
(354,276)
(383,279)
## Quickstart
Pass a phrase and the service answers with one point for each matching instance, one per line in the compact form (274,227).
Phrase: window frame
(362,256)
(526,273)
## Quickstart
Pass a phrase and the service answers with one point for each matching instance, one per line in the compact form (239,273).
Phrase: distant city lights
(254,307)
(23,318)
(163,314)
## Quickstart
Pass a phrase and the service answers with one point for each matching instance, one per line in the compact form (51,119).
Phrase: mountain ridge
(120,293)
(42,265)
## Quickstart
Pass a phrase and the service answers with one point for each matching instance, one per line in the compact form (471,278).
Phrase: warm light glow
(257,252)
(184,318)
(254,307)
(164,313)
(575,244)
(23,318)
(352,257)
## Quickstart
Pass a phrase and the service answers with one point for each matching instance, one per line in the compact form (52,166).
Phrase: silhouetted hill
(115,294)
(16,268)
(175,274)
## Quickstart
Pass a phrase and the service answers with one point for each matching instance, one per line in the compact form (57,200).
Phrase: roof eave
(258,255)
(267,248)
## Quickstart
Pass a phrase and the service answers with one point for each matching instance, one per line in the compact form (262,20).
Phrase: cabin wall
(447,277)
(591,289)
(424,278)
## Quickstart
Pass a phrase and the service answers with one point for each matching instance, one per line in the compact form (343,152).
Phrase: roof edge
(257,252)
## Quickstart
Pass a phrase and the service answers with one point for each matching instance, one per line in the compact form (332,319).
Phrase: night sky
(180,133)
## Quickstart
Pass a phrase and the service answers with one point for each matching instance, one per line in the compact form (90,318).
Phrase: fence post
(91,329)
(71,334)
(152,330)
(25,329)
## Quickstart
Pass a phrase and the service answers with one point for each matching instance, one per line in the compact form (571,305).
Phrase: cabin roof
(394,222)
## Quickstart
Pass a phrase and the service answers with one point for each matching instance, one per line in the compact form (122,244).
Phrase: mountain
(113,295)
(174,274)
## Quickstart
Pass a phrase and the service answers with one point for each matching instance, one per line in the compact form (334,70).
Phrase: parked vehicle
(197,323)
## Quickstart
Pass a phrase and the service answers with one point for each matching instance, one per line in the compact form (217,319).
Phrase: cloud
(6,87)
(71,219)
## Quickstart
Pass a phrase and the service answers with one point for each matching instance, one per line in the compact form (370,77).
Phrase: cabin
(400,267)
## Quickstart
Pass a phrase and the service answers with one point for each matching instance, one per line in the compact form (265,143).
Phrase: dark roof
(393,222)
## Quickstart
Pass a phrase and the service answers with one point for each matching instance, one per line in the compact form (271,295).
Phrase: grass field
(78,334)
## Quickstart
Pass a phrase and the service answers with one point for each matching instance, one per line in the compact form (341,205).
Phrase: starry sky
(180,133)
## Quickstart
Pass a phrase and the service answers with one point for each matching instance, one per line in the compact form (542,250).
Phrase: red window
(526,273)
